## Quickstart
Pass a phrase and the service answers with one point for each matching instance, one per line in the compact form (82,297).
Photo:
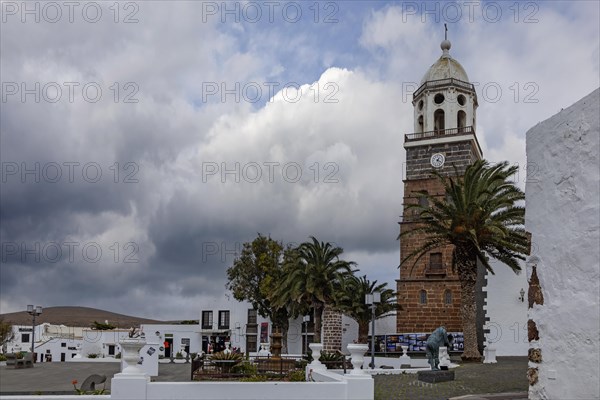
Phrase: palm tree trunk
(318,317)
(280,319)
(468,308)
(285,326)
(363,332)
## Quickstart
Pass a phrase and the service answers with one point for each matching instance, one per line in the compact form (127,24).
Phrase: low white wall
(327,385)
(103,397)
(246,391)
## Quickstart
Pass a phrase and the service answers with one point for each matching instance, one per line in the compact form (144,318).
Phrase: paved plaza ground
(507,376)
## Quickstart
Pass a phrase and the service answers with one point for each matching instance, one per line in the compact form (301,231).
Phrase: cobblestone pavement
(508,376)
(56,378)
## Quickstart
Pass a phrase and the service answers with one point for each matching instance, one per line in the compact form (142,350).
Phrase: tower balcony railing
(440,83)
(412,137)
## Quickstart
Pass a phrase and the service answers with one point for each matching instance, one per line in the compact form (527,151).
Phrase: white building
(52,342)
(225,320)
(563,216)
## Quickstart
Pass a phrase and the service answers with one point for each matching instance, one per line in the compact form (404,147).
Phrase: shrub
(102,327)
(301,364)
(308,357)
(179,356)
(118,355)
(297,376)
(255,378)
(2,357)
(92,355)
(244,368)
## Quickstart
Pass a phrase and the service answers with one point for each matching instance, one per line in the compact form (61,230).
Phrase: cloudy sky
(142,143)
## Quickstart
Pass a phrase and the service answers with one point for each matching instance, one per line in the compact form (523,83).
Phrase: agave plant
(226,360)
(333,360)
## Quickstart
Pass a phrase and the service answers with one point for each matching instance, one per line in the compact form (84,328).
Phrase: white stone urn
(405,358)
(131,354)
(489,354)
(404,350)
(357,352)
(316,354)
(444,357)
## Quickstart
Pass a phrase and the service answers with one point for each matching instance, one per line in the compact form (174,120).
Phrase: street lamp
(305,321)
(34,312)
(372,300)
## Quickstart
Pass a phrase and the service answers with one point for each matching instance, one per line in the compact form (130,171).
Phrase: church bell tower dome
(445,67)
(445,104)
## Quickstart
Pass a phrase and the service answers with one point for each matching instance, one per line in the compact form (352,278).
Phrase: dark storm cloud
(180,228)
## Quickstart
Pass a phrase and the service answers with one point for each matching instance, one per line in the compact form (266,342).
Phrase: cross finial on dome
(446,43)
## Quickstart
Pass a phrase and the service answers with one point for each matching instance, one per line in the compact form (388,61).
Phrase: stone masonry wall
(332,330)
(459,154)
(414,277)
(417,317)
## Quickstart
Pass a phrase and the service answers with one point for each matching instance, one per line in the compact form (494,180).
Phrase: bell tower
(444,140)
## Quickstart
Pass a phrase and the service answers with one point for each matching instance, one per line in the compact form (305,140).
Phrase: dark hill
(76,316)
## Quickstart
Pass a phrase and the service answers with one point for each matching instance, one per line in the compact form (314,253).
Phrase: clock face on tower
(437,160)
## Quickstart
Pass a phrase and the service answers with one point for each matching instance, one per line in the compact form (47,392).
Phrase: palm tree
(351,302)
(479,217)
(313,273)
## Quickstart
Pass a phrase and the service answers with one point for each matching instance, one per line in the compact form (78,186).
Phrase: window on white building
(224,319)
(251,344)
(24,337)
(207,319)
(251,316)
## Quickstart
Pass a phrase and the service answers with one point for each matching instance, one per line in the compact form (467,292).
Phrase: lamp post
(372,300)
(305,321)
(34,312)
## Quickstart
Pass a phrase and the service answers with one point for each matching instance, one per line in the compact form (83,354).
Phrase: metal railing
(206,369)
(411,137)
